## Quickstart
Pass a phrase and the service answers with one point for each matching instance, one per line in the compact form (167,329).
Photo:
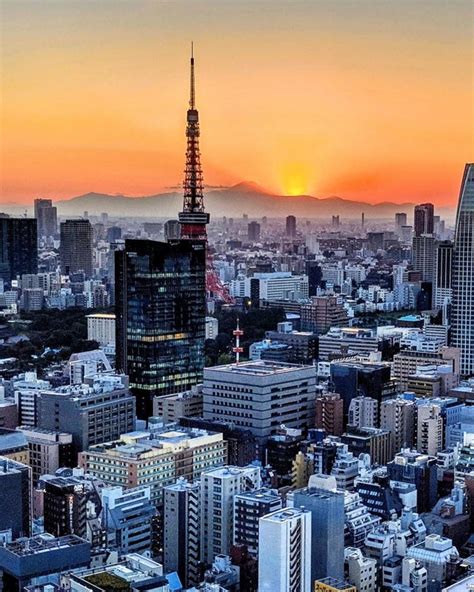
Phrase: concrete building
(212,328)
(155,460)
(326,505)
(99,410)
(333,585)
(322,313)
(249,507)
(218,488)
(430,428)
(398,417)
(260,396)
(65,508)
(287,568)
(363,412)
(409,466)
(75,249)
(330,413)
(181,530)
(127,516)
(101,328)
(372,441)
(344,341)
(358,520)
(434,553)
(171,407)
(361,571)
(48,451)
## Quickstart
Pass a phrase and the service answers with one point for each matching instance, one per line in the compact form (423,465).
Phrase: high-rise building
(330,413)
(218,488)
(75,249)
(363,412)
(253,232)
(315,277)
(409,466)
(160,301)
(327,525)
(424,219)
(172,230)
(322,313)
(15,496)
(442,289)
(181,527)
(398,417)
(127,516)
(18,248)
(260,396)
(400,220)
(291,226)
(249,507)
(424,249)
(65,507)
(462,312)
(430,428)
(285,566)
(47,217)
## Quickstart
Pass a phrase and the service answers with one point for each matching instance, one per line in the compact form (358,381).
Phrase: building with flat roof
(101,328)
(287,567)
(15,497)
(155,459)
(186,404)
(343,341)
(261,396)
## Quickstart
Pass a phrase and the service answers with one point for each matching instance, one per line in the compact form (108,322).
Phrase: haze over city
(369,101)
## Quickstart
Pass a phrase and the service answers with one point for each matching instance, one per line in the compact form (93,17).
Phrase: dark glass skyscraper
(462,320)
(47,217)
(160,310)
(18,248)
(75,250)
(424,219)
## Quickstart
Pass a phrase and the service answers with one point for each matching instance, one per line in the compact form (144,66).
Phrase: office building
(435,554)
(15,496)
(218,488)
(409,466)
(303,344)
(462,312)
(172,230)
(65,507)
(398,417)
(253,232)
(290,226)
(442,289)
(27,559)
(249,507)
(363,412)
(172,407)
(430,428)
(160,310)
(155,459)
(48,451)
(330,413)
(322,313)
(361,571)
(98,410)
(423,351)
(212,328)
(424,219)
(287,567)
(8,412)
(260,396)
(18,248)
(424,254)
(101,328)
(375,442)
(127,516)
(46,217)
(327,525)
(352,378)
(75,249)
(340,342)
(181,530)
(400,220)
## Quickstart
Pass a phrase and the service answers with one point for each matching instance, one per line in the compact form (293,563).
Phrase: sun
(295,179)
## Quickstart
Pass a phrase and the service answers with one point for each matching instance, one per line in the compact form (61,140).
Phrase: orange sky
(368,100)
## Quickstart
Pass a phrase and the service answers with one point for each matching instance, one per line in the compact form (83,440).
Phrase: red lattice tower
(193,218)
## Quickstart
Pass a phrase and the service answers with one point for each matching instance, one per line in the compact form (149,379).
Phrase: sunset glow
(364,100)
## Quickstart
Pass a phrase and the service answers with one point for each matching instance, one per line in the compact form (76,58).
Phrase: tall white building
(364,412)
(218,488)
(429,438)
(462,312)
(101,328)
(285,551)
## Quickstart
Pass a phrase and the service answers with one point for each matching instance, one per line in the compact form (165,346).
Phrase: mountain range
(243,198)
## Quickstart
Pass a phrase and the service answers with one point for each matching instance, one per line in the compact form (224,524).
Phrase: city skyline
(325,96)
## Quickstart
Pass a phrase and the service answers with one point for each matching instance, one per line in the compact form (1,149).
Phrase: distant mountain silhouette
(244,198)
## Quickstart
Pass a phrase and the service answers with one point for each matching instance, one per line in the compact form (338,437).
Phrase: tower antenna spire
(192,98)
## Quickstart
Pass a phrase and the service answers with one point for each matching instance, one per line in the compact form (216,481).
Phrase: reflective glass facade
(161,309)
(462,320)
(18,248)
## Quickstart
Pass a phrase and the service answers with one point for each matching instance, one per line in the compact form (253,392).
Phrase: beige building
(429,434)
(101,328)
(156,459)
(398,417)
(171,407)
(406,362)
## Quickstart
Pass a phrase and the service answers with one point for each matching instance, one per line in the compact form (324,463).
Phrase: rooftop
(259,368)
(43,544)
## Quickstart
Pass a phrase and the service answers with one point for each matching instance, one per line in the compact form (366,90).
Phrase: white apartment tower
(285,565)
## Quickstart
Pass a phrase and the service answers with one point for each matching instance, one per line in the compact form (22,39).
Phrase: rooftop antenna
(237,349)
